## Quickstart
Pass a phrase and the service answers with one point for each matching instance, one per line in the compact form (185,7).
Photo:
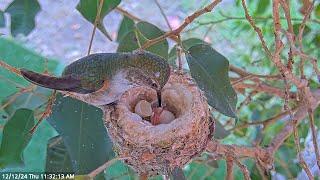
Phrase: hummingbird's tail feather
(66,83)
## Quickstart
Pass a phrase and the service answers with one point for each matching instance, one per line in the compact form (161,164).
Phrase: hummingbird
(108,75)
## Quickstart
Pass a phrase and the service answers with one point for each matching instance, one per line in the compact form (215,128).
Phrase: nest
(158,149)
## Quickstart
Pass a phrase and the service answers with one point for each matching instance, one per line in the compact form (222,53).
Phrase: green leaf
(29,100)
(89,10)
(220,132)
(144,31)
(128,43)
(23,13)
(150,31)
(306,30)
(58,159)
(262,6)
(14,54)
(213,163)
(17,56)
(15,138)
(81,127)
(2,19)
(186,44)
(316,40)
(126,26)
(210,70)
(119,170)
(317,11)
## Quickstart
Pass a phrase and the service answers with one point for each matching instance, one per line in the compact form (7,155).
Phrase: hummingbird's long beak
(159,97)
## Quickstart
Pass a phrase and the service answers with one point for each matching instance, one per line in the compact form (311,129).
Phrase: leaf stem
(96,21)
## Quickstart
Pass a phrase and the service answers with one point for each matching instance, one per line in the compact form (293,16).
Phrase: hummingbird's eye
(154,85)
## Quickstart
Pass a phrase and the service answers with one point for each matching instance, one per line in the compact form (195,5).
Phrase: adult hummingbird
(107,75)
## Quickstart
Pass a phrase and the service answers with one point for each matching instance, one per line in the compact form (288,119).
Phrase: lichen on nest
(157,149)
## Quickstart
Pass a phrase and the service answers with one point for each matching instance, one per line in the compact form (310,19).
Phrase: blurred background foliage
(226,29)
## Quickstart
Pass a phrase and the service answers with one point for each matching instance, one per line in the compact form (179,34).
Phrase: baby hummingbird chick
(101,79)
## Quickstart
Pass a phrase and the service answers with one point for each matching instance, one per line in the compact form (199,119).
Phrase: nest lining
(158,149)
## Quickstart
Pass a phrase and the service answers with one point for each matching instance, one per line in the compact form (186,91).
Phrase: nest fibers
(158,149)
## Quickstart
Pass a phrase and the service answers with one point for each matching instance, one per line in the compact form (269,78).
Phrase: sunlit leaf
(23,13)
(58,159)
(210,70)
(316,40)
(262,6)
(15,138)
(306,30)
(81,127)
(144,31)
(89,10)
(317,11)
(126,26)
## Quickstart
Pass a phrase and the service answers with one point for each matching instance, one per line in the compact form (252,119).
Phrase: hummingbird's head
(154,66)
(143,78)
(154,71)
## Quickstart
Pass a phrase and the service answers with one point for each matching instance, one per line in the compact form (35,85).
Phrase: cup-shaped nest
(157,149)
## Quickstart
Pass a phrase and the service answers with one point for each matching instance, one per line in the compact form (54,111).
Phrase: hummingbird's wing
(65,83)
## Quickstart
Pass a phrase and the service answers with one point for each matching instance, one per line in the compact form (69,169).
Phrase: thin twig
(300,35)
(302,162)
(314,137)
(303,24)
(16,95)
(179,53)
(233,18)
(96,21)
(258,30)
(46,112)
(243,73)
(186,22)
(247,100)
(12,82)
(265,123)
(137,37)
(163,14)
(221,149)
(244,169)
(229,161)
(262,87)
(242,79)
(127,14)
(299,115)
(10,68)
(286,7)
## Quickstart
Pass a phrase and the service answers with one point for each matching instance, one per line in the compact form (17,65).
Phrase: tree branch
(186,22)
